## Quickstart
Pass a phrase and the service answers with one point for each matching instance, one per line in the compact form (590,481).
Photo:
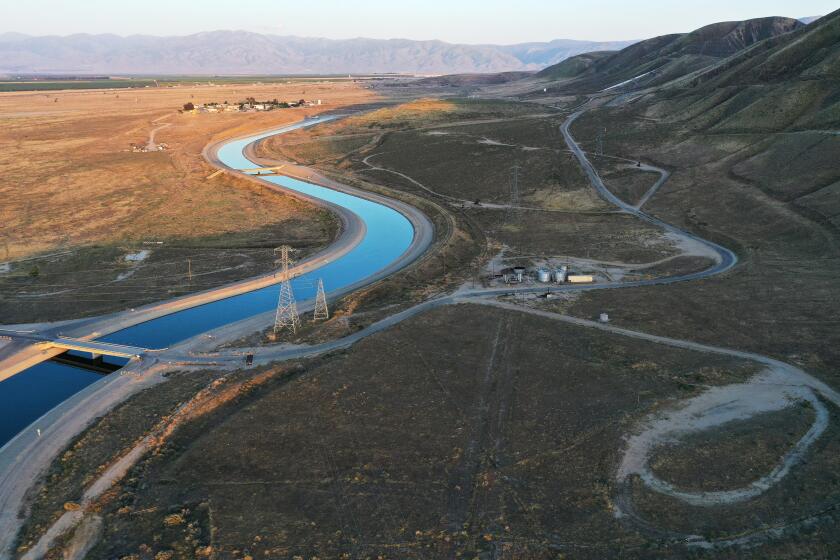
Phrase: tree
(188,106)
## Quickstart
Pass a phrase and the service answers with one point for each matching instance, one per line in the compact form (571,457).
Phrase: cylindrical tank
(519,271)
(560,274)
(543,275)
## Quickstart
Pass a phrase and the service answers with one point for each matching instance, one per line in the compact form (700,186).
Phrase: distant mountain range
(241,52)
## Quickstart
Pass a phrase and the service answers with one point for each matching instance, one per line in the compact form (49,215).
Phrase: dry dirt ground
(72,190)
(488,444)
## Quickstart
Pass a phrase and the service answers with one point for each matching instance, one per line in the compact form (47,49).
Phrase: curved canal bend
(389,235)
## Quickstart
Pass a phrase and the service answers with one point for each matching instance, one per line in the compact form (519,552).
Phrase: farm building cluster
(246,106)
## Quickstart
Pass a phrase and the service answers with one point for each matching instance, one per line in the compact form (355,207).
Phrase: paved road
(728,259)
(664,175)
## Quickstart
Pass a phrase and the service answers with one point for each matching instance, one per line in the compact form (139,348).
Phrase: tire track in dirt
(469,495)
(462,477)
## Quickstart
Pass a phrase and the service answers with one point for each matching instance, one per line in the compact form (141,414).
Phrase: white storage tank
(560,274)
(519,272)
(543,275)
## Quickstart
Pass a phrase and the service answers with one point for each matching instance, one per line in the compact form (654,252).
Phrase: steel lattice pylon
(321,311)
(286,318)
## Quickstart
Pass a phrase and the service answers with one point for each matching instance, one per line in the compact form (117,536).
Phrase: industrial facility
(543,275)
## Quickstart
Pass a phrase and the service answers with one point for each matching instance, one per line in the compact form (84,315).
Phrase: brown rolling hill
(788,83)
(783,96)
(770,114)
(662,59)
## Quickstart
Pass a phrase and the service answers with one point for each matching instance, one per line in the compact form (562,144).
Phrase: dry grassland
(75,197)
(69,178)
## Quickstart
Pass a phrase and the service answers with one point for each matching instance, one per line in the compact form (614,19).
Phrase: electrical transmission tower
(321,311)
(286,318)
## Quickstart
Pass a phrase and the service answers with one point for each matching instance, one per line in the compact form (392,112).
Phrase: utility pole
(286,317)
(321,311)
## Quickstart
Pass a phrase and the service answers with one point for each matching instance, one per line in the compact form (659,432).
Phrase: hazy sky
(460,21)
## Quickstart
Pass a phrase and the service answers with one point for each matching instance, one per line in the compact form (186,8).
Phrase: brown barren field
(70,184)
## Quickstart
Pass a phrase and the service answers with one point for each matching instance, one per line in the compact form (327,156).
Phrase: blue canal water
(31,393)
